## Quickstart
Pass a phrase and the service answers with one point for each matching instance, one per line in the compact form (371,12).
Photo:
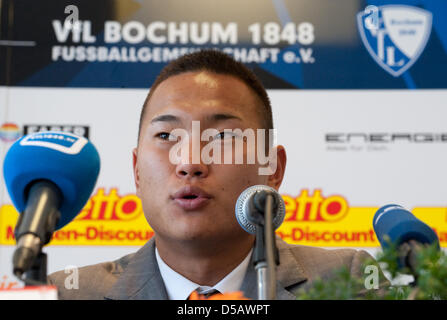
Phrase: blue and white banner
(319,44)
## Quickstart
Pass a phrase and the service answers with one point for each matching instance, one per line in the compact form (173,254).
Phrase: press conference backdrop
(358,90)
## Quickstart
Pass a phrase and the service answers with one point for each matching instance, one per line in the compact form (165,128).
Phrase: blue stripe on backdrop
(408,80)
(291,73)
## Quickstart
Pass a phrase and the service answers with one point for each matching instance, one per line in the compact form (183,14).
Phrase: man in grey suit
(198,244)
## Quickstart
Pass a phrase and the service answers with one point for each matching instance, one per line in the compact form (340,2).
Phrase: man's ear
(275,179)
(136,174)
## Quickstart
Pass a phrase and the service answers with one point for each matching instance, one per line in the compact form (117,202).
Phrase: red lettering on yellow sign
(315,208)
(111,206)
(10,233)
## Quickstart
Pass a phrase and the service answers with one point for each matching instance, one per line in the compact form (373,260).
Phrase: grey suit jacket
(136,276)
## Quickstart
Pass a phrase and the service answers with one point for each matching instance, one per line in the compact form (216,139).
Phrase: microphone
(395,225)
(260,210)
(49,177)
(250,208)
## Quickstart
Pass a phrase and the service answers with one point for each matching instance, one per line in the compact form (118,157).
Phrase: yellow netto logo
(111,206)
(315,208)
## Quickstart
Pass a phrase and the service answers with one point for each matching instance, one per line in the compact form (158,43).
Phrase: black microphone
(36,225)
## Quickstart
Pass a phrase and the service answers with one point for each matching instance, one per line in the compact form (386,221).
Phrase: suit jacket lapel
(288,273)
(141,279)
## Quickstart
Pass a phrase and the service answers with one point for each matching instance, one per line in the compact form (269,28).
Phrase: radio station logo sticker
(9,132)
(64,142)
(394,35)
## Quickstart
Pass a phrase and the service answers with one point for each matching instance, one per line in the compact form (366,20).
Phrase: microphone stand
(260,263)
(37,275)
(408,257)
(265,255)
(33,230)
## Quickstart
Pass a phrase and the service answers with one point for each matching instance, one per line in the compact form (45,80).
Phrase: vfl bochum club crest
(394,35)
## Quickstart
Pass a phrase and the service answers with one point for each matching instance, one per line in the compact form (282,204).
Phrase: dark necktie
(205,293)
(209,293)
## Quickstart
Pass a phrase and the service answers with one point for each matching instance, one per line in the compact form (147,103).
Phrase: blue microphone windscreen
(71,162)
(399,225)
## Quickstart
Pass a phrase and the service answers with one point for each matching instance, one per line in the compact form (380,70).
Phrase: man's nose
(191,170)
(189,162)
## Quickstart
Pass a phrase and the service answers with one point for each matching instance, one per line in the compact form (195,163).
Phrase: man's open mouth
(191,198)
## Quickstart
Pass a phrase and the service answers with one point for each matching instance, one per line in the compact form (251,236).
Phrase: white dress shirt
(179,288)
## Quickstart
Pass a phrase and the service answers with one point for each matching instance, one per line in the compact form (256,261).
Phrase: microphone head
(400,226)
(243,208)
(71,162)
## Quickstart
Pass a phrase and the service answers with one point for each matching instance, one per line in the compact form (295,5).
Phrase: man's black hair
(216,62)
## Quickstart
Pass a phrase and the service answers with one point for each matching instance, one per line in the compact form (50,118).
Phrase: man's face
(187,201)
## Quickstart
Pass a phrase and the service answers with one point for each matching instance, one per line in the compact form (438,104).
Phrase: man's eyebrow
(165,118)
(221,117)
(216,117)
